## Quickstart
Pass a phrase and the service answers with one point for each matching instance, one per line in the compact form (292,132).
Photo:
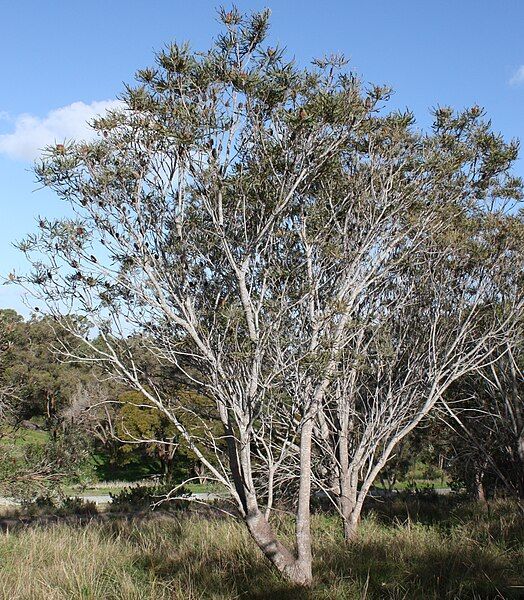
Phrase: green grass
(206,488)
(114,487)
(437,484)
(22,437)
(468,552)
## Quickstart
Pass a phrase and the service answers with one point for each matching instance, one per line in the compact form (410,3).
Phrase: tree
(236,212)
(41,468)
(31,367)
(8,320)
(486,415)
(445,322)
(141,426)
(35,383)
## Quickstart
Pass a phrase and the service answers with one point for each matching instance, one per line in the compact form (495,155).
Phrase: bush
(48,505)
(77,506)
(414,489)
(144,497)
(42,504)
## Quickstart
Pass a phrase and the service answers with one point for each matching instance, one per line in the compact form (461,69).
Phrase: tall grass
(469,553)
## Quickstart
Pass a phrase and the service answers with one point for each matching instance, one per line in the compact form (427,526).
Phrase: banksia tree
(235,215)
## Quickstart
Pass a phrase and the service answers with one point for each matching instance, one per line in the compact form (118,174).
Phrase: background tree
(31,366)
(144,429)
(40,453)
(8,320)
(485,412)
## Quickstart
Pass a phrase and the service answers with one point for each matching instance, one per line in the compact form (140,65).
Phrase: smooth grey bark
(297,568)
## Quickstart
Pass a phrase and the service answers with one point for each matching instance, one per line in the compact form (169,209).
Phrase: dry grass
(472,553)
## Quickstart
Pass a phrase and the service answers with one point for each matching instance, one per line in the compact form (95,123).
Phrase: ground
(407,549)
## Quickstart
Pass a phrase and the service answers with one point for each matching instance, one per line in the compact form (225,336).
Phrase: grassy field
(405,552)
(22,437)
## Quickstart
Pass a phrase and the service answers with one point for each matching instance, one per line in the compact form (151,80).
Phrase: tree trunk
(200,472)
(480,491)
(296,569)
(304,561)
(284,560)
(520,450)
(351,522)
(349,507)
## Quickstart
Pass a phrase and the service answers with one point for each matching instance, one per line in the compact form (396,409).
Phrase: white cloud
(31,134)
(518,76)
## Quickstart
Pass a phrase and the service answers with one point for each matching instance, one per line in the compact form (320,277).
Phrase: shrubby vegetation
(63,424)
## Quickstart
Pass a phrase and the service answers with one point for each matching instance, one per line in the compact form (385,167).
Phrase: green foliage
(119,466)
(30,367)
(142,497)
(30,469)
(148,435)
(42,388)
(58,506)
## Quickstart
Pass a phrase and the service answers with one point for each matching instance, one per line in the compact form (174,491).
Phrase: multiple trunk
(350,501)
(294,566)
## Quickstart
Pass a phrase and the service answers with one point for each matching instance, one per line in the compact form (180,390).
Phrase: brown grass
(472,553)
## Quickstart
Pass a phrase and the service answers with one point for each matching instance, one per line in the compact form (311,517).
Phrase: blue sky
(61,61)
